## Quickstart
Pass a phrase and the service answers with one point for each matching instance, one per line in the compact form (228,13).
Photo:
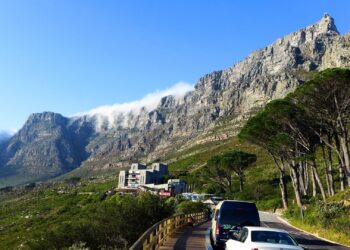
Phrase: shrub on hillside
(113,223)
(327,212)
(269,204)
(188,207)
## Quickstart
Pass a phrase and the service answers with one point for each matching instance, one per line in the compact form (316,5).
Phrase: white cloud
(110,114)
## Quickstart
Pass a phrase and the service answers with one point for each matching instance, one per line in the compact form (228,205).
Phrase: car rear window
(239,214)
(273,237)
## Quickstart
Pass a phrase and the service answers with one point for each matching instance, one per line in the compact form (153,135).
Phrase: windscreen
(272,237)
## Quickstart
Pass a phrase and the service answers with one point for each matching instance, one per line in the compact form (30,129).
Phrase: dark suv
(229,217)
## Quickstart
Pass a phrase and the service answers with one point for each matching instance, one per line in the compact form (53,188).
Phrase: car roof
(266,229)
(236,201)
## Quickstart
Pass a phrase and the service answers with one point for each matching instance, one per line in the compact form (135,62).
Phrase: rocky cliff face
(51,144)
(46,146)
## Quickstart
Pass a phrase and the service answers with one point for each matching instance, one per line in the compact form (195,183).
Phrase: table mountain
(50,144)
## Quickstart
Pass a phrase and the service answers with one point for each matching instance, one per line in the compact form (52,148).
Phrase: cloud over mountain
(110,114)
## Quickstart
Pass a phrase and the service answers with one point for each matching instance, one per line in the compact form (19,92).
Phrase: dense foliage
(220,169)
(115,222)
(292,130)
(188,207)
(79,213)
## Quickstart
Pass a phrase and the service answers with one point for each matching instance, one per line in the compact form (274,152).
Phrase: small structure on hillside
(139,174)
(171,188)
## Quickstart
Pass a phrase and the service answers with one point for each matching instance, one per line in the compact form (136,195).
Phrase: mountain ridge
(233,93)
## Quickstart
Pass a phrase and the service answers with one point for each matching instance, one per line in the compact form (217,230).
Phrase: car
(263,238)
(216,199)
(230,216)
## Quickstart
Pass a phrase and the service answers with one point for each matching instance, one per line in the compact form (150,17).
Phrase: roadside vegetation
(330,219)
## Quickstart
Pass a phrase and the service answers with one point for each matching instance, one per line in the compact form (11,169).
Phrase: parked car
(229,217)
(216,199)
(263,238)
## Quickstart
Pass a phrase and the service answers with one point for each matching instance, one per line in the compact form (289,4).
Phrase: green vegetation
(79,212)
(291,130)
(261,188)
(26,213)
(220,169)
(116,222)
(329,219)
(188,207)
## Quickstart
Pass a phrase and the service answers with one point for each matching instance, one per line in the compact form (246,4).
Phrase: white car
(263,238)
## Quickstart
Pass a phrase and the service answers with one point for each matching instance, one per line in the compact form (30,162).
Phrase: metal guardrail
(155,236)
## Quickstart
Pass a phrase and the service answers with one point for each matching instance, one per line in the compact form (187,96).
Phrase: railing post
(160,232)
(151,241)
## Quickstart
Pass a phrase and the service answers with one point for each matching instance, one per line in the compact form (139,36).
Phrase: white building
(139,174)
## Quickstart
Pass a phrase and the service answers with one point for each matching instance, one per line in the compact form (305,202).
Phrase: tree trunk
(313,181)
(229,182)
(240,182)
(283,187)
(325,163)
(341,176)
(341,163)
(283,182)
(301,177)
(306,177)
(330,171)
(296,185)
(344,145)
(344,140)
(318,180)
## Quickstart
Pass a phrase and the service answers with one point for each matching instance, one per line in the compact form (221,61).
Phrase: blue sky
(71,56)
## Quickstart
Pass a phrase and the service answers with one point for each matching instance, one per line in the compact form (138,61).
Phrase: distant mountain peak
(45,116)
(327,24)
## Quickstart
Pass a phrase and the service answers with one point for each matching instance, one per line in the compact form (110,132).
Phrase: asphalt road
(307,241)
(199,237)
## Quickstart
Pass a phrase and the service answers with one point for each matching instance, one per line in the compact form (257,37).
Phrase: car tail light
(217,231)
(255,248)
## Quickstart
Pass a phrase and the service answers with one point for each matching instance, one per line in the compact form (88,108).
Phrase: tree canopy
(221,168)
(291,129)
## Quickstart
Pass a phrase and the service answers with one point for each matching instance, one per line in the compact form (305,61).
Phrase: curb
(287,222)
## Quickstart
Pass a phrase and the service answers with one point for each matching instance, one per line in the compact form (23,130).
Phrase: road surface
(307,241)
(196,238)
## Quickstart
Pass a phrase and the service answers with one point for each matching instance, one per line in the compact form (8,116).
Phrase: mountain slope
(45,147)
(219,104)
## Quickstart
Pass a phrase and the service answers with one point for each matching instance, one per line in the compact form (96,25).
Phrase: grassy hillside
(27,213)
